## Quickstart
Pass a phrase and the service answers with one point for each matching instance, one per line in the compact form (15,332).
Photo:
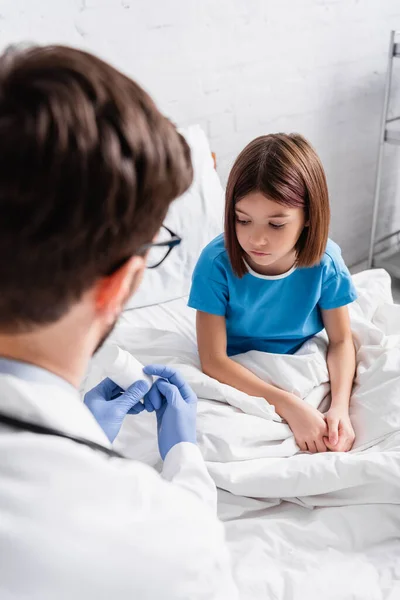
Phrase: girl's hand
(308,425)
(341,433)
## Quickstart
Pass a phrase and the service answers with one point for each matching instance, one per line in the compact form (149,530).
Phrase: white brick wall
(246,67)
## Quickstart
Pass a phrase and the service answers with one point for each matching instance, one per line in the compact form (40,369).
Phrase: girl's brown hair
(286,169)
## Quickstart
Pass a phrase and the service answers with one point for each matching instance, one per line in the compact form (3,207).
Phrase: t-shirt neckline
(260,276)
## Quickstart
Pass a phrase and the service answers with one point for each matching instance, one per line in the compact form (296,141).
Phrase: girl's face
(268,233)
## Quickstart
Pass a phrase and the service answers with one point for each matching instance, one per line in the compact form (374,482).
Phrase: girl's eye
(241,222)
(275,226)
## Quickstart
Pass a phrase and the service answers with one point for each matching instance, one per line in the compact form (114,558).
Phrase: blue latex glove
(109,404)
(175,404)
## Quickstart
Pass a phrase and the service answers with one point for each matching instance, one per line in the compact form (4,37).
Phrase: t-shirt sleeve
(337,286)
(209,291)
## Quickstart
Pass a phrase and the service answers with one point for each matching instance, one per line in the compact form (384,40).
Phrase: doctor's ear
(113,291)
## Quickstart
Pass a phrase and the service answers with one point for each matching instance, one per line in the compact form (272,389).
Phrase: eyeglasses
(160,248)
(157,250)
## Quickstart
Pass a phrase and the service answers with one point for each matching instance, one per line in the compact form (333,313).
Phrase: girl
(275,280)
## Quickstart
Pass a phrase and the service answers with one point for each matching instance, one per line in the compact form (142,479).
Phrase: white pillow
(197,217)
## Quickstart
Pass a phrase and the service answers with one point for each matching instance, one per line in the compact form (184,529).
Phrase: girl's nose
(258,238)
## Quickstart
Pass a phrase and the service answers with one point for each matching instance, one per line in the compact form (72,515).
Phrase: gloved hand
(175,404)
(109,404)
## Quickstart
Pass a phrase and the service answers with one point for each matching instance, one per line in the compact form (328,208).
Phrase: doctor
(88,168)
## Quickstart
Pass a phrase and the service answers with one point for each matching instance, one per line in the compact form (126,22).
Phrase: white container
(121,367)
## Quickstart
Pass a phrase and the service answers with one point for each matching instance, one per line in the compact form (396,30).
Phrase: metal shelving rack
(390,134)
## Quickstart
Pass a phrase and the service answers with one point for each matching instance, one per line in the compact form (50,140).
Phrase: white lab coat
(78,525)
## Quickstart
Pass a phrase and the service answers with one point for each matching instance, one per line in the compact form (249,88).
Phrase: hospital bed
(299,526)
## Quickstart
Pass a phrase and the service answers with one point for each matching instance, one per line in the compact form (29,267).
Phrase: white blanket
(245,443)
(350,548)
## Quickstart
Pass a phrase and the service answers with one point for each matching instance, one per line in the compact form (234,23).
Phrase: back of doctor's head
(88,168)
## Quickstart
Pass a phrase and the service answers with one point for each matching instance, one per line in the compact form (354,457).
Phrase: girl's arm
(341,365)
(307,423)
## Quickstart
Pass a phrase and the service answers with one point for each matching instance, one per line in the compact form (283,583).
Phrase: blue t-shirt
(269,313)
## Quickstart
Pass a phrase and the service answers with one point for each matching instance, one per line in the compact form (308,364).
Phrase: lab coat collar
(31,393)
(32,373)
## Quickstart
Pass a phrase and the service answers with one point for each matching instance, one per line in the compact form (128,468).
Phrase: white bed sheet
(299,526)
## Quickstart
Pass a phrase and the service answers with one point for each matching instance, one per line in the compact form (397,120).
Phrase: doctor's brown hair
(88,168)
(286,169)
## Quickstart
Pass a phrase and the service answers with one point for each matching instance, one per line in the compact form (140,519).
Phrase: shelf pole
(378,178)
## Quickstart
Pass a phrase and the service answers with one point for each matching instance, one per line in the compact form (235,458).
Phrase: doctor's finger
(168,390)
(153,399)
(156,397)
(107,388)
(137,409)
(172,376)
(133,395)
